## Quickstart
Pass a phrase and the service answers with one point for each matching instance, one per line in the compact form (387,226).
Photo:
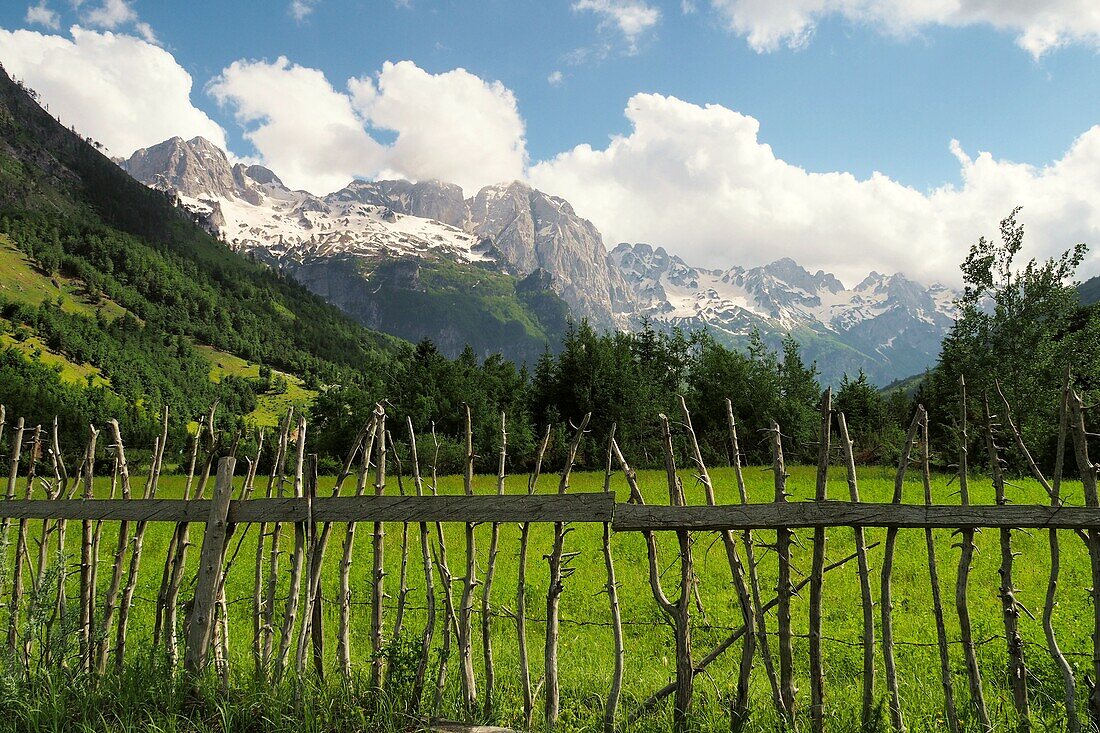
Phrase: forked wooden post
(1010,610)
(817,571)
(378,571)
(612,704)
(966,557)
(521,591)
(556,586)
(937,602)
(490,574)
(760,623)
(739,706)
(783,539)
(887,607)
(466,605)
(211,560)
(1089,472)
(867,711)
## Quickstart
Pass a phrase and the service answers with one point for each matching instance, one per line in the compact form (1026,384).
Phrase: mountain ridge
(887,325)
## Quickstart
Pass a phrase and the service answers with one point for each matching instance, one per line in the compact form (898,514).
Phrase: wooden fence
(288,640)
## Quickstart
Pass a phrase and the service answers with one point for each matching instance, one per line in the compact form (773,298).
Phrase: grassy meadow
(586,641)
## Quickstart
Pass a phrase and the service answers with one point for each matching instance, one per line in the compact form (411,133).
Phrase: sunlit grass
(586,641)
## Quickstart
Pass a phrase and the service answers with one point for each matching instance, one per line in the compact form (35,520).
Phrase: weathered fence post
(760,623)
(211,559)
(1089,472)
(290,615)
(867,711)
(739,707)
(612,704)
(554,591)
(887,607)
(937,601)
(521,591)
(783,538)
(1010,611)
(966,557)
(378,571)
(817,571)
(490,573)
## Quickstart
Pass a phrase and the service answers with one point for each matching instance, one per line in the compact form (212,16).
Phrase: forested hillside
(154,286)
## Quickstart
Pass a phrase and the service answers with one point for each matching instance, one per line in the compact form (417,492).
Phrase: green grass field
(586,642)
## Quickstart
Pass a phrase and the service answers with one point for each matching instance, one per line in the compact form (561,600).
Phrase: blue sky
(852,92)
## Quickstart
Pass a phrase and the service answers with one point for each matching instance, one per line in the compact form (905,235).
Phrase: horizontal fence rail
(291,577)
(596,508)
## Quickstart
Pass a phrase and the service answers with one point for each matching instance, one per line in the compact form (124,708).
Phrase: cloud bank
(1039,25)
(698,179)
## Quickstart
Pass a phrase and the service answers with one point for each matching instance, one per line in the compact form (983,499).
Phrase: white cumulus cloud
(631,17)
(452,126)
(1039,25)
(40,14)
(698,180)
(303,128)
(121,90)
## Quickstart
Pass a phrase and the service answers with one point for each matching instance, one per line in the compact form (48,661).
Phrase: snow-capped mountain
(513,227)
(887,325)
(365,248)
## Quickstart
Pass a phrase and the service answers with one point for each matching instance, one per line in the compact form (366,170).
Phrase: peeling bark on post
(212,558)
(378,573)
(521,592)
(1010,611)
(1089,472)
(21,549)
(290,614)
(887,606)
(487,588)
(937,602)
(556,586)
(87,562)
(760,622)
(466,605)
(739,706)
(867,711)
(783,539)
(817,572)
(966,557)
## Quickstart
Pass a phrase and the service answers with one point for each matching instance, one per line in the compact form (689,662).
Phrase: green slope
(103,280)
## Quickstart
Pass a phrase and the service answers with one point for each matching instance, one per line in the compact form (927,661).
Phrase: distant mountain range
(502,269)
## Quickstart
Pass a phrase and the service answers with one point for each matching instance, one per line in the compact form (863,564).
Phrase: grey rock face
(428,199)
(195,167)
(532,229)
